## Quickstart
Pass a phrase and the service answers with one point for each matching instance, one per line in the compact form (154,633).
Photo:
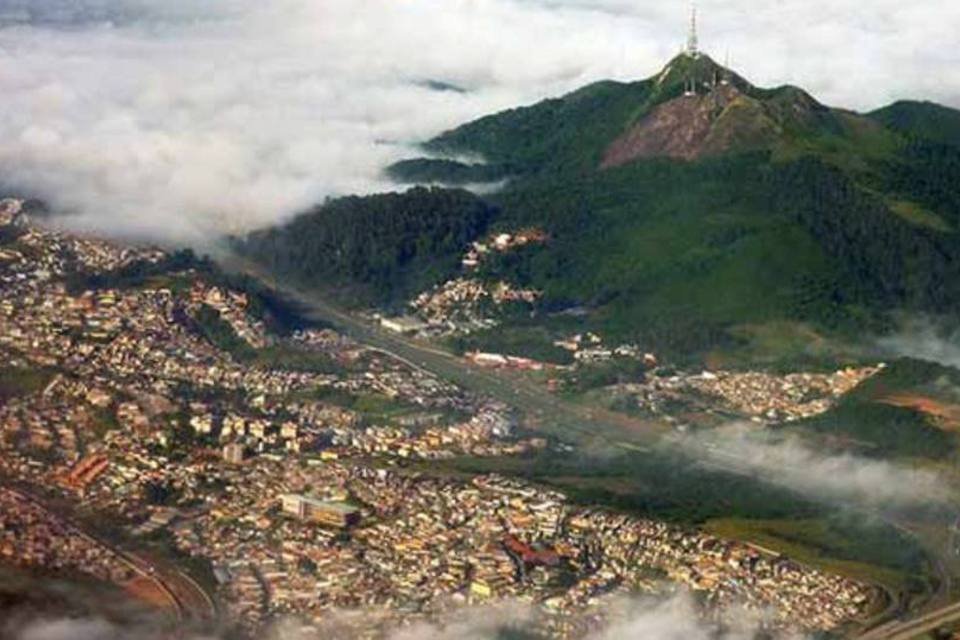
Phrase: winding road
(186,600)
(910,629)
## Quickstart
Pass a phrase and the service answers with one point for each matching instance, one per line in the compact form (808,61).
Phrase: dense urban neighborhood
(303,484)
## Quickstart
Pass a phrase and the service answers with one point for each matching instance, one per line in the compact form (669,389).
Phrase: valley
(669,357)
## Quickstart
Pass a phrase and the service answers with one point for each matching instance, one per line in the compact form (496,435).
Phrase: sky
(182,120)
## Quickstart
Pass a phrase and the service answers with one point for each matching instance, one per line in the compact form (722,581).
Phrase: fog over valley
(180,120)
(479,319)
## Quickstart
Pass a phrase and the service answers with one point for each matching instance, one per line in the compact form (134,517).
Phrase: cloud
(673,617)
(786,460)
(187,118)
(676,618)
(28,625)
(924,339)
(477,623)
(68,629)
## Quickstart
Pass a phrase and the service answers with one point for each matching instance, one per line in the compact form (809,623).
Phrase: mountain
(598,125)
(925,120)
(700,215)
(375,250)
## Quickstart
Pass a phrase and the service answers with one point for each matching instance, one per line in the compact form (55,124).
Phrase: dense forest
(922,119)
(377,249)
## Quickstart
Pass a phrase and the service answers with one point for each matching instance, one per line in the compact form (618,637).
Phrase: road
(188,602)
(541,409)
(910,629)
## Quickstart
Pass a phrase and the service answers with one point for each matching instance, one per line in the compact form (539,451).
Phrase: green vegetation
(374,407)
(10,234)
(912,212)
(882,430)
(264,303)
(282,356)
(603,374)
(867,420)
(784,346)
(909,374)
(133,275)
(668,486)
(220,334)
(159,493)
(104,420)
(525,339)
(871,552)
(446,172)
(209,324)
(559,135)
(803,231)
(827,221)
(20,381)
(384,248)
(921,119)
(656,484)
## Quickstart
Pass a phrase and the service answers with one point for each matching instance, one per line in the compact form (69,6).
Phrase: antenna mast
(693,42)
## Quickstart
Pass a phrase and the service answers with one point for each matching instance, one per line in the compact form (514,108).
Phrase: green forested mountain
(379,249)
(921,119)
(690,211)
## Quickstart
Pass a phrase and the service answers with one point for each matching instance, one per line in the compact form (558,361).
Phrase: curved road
(188,601)
(910,629)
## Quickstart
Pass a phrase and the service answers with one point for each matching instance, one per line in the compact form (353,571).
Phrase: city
(298,496)
(479,320)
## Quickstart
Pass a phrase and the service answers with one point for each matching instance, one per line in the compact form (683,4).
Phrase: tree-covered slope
(563,134)
(377,249)
(680,210)
(921,119)
(692,101)
(675,254)
(910,409)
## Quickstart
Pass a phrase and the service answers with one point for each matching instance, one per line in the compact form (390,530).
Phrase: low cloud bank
(184,119)
(924,339)
(669,618)
(788,461)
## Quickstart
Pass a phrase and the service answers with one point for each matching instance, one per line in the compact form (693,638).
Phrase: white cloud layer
(787,461)
(670,618)
(924,339)
(186,118)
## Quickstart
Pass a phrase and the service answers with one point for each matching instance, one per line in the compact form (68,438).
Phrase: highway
(910,629)
(541,409)
(187,601)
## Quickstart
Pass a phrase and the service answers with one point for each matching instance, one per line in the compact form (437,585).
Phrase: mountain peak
(697,107)
(686,73)
(693,108)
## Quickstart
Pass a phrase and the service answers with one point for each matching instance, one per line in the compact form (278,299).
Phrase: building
(334,514)
(233,453)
